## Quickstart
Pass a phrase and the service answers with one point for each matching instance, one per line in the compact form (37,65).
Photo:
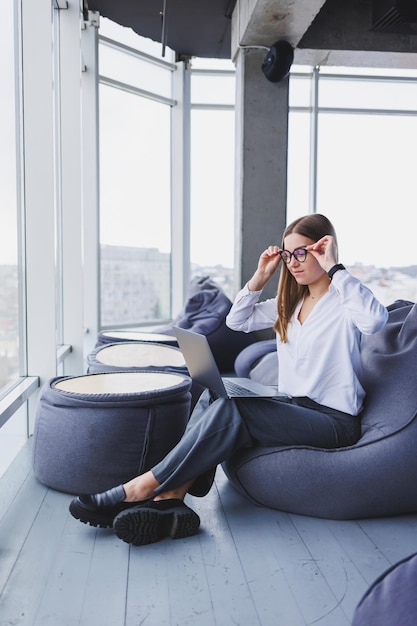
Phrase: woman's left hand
(324,251)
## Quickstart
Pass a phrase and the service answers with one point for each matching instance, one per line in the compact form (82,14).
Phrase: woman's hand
(324,251)
(267,265)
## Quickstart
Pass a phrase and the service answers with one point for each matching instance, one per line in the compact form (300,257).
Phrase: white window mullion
(314,138)
(180,185)
(90,179)
(72,261)
(38,166)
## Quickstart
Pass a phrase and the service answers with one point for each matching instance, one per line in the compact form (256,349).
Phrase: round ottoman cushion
(113,336)
(96,431)
(136,355)
(205,312)
(392,599)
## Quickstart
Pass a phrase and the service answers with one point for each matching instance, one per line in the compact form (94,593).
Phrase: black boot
(100,509)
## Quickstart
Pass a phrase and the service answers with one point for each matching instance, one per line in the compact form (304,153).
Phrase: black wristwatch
(335,269)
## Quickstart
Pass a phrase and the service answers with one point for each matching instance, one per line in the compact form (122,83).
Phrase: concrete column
(261,163)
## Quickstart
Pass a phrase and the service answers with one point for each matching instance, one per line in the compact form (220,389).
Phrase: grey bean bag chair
(392,599)
(259,362)
(376,476)
(205,312)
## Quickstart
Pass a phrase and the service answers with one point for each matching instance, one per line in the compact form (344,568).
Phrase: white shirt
(321,359)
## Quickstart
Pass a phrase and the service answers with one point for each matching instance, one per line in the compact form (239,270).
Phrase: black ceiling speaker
(278,61)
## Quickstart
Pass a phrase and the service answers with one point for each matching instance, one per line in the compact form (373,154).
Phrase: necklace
(318,296)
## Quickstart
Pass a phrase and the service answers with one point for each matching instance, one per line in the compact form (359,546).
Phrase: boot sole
(142,526)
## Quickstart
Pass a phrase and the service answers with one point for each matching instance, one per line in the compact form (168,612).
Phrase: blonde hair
(314,227)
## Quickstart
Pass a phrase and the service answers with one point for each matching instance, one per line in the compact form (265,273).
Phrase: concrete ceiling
(367,33)
(332,32)
(190,27)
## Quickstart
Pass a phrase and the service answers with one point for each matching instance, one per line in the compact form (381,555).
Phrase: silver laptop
(203,369)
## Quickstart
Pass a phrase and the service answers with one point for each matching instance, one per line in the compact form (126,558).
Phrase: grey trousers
(218,427)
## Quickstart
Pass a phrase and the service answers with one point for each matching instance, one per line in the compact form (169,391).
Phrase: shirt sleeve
(362,308)
(248,314)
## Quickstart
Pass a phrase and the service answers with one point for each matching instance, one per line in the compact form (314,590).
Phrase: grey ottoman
(96,431)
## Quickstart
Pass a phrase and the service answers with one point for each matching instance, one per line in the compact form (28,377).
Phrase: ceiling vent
(395,16)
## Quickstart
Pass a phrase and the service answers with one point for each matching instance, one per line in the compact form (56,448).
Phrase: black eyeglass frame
(301,251)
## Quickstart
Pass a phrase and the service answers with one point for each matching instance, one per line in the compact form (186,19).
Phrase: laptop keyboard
(237,390)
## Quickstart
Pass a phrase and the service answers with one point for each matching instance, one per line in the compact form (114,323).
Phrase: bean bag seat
(376,476)
(392,599)
(205,312)
(140,356)
(259,362)
(95,431)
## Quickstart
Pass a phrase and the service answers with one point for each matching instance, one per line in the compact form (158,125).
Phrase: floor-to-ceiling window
(10,268)
(136,208)
(12,310)
(352,140)
(31,124)
(212,170)
(135,185)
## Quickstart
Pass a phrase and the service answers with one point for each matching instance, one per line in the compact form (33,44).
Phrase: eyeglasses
(299,254)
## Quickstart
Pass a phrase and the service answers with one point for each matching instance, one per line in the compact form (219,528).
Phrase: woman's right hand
(267,266)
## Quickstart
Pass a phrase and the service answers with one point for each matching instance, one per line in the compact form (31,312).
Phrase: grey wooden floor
(248,566)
